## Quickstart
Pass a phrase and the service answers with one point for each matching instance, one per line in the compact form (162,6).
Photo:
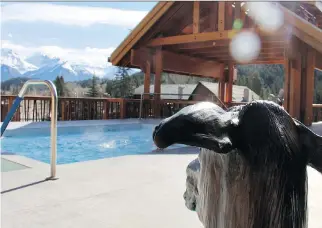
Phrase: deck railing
(34,108)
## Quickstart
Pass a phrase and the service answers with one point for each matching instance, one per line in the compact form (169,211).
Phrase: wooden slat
(228,15)
(213,17)
(221,16)
(196,17)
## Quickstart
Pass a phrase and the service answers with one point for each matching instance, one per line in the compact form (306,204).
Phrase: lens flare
(245,46)
(238,24)
(266,15)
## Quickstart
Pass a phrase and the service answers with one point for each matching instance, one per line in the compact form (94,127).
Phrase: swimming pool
(82,143)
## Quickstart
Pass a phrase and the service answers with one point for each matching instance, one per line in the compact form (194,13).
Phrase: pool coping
(33,163)
(78,123)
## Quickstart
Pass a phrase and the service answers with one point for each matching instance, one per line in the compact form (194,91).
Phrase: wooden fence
(38,108)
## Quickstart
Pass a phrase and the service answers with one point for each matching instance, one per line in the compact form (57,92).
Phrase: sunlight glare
(245,47)
(267,15)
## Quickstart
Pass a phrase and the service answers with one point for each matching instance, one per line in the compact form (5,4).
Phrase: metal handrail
(142,94)
(54,114)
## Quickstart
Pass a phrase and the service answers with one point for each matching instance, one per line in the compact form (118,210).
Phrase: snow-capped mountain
(41,66)
(8,72)
(13,60)
(41,60)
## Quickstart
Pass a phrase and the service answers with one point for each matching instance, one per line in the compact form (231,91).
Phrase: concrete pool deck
(129,191)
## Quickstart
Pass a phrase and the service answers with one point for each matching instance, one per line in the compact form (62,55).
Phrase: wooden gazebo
(193,38)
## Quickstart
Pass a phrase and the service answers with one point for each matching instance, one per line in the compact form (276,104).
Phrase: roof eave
(145,24)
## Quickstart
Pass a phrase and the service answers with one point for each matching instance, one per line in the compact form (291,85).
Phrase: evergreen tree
(60,86)
(256,83)
(93,90)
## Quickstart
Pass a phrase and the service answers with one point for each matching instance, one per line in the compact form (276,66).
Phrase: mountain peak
(13,60)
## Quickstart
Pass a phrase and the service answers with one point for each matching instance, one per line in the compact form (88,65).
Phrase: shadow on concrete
(25,186)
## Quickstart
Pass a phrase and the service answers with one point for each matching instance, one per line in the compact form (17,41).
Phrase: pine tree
(93,90)
(60,86)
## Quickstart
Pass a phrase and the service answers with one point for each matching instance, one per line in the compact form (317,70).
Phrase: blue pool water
(76,144)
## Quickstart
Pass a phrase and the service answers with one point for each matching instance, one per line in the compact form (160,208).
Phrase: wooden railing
(38,108)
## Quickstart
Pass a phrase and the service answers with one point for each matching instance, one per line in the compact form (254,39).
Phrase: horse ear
(312,144)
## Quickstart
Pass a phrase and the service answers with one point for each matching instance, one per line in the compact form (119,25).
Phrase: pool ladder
(53,126)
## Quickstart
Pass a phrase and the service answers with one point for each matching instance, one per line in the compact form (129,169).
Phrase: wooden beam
(275,61)
(191,38)
(224,43)
(180,64)
(224,50)
(207,36)
(264,47)
(196,17)
(309,90)
(221,16)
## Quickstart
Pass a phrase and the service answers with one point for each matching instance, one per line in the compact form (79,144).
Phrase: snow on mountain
(41,60)
(8,72)
(41,66)
(13,60)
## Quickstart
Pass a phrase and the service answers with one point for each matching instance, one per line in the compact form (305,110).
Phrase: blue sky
(75,31)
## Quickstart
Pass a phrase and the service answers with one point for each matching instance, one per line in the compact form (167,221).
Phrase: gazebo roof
(201,38)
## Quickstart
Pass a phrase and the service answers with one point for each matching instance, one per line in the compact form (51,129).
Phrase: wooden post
(62,109)
(295,88)
(105,109)
(196,17)
(157,80)
(229,84)
(123,108)
(221,83)
(309,90)
(147,77)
